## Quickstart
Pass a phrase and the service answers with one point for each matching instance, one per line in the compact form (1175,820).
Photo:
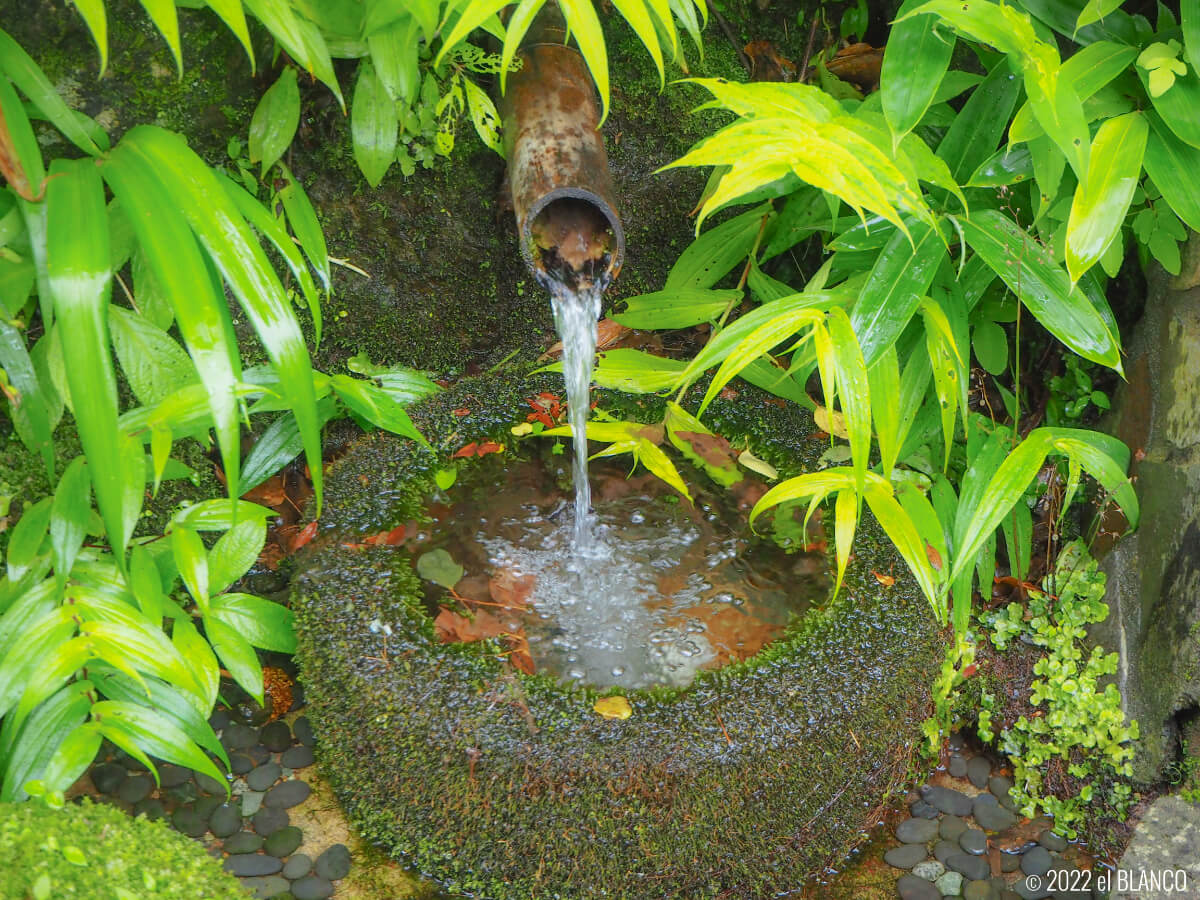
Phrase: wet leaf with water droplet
(439,567)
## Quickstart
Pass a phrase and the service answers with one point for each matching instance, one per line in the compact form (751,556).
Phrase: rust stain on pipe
(562,193)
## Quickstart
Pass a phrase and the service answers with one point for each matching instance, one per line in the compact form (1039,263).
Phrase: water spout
(567,223)
(562,193)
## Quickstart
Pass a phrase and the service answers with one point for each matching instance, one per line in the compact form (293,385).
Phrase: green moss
(509,786)
(91,851)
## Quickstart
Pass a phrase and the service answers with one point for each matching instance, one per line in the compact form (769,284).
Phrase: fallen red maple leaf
(465,451)
(307,533)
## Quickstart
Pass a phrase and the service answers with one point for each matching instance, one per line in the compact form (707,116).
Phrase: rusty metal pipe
(562,193)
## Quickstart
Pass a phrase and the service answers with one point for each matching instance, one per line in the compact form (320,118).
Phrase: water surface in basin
(666,589)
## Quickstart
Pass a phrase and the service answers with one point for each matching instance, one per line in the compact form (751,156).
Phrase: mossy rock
(90,851)
(503,785)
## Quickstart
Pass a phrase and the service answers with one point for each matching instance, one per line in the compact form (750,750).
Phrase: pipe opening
(575,243)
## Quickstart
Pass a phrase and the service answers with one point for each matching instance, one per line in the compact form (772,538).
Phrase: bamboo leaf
(518,24)
(1189,21)
(171,252)
(712,255)
(915,62)
(143,732)
(263,623)
(394,53)
(846,512)
(273,230)
(96,20)
(29,411)
(1171,165)
(884,378)
(473,16)
(1044,287)
(676,308)
(373,125)
(239,258)
(234,553)
(303,219)
(40,736)
(69,516)
(237,655)
(975,133)
(162,13)
(899,278)
(855,391)
(153,363)
(77,265)
(232,15)
(275,120)
(192,561)
(1102,201)
(585,25)
(33,83)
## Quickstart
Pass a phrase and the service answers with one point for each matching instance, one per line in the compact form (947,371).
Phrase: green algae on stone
(506,786)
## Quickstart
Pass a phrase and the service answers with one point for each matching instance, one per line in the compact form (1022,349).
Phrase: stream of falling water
(576,311)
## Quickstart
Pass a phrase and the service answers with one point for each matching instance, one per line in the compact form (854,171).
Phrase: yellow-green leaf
(1101,202)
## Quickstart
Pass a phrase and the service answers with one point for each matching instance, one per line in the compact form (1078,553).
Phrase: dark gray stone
(302,728)
(183,793)
(922,810)
(206,806)
(243,842)
(151,808)
(1031,888)
(1036,861)
(287,795)
(135,788)
(187,821)
(258,754)
(948,800)
(991,815)
(283,842)
(975,868)
(1153,590)
(267,886)
(267,820)
(1052,841)
(210,785)
(958,766)
(910,887)
(1000,785)
(219,719)
(276,736)
(980,890)
(334,863)
(973,841)
(249,864)
(1010,862)
(170,776)
(298,757)
(240,763)
(1166,839)
(298,866)
(251,802)
(943,850)
(131,763)
(910,831)
(239,737)
(264,776)
(226,819)
(905,856)
(952,827)
(312,887)
(979,770)
(107,777)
